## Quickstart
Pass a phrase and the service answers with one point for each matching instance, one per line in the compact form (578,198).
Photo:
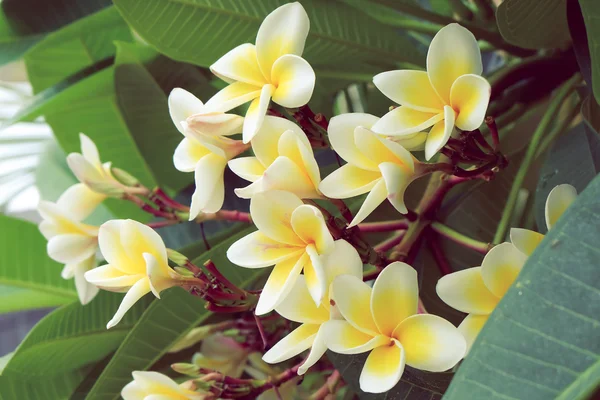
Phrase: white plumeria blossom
(270,70)
(298,306)
(477,291)
(559,199)
(292,236)
(150,385)
(451,92)
(384,321)
(71,241)
(205,149)
(375,165)
(90,171)
(283,160)
(222,354)
(137,263)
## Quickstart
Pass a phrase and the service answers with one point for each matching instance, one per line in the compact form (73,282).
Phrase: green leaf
(163,323)
(541,341)
(56,388)
(16,299)
(200,31)
(534,24)
(591,13)
(72,337)
(24,263)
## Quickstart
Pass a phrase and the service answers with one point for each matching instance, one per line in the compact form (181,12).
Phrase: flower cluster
(317,277)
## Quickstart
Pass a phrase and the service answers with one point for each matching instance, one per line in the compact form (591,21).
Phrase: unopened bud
(110,189)
(186,369)
(124,177)
(183,271)
(177,258)
(191,338)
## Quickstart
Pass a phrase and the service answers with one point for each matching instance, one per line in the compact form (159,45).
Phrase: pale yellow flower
(451,92)
(137,263)
(298,306)
(273,69)
(205,148)
(376,165)
(283,160)
(222,354)
(292,236)
(384,321)
(150,385)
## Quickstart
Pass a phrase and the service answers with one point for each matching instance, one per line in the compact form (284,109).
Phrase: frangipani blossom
(292,236)
(90,171)
(70,241)
(137,263)
(559,199)
(222,354)
(298,306)
(283,160)
(150,385)
(476,291)
(376,165)
(204,150)
(450,93)
(273,69)
(384,321)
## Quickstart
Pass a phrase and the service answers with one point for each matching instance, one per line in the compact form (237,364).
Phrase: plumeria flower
(71,241)
(273,69)
(150,385)
(451,92)
(376,165)
(477,291)
(283,160)
(292,236)
(384,321)
(298,306)
(205,149)
(222,354)
(559,199)
(90,171)
(137,263)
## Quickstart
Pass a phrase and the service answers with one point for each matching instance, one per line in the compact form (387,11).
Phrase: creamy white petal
(342,260)
(256,113)
(285,175)
(317,350)
(559,199)
(409,88)
(469,96)
(283,31)
(183,104)
(158,274)
(453,52)
(280,283)
(341,135)
(383,368)
(397,178)
(239,64)
(342,337)
(83,169)
(210,188)
(414,142)
(352,297)
(215,124)
(71,248)
(293,344)
(257,250)
(404,121)
(85,290)
(187,154)
(265,143)
(109,241)
(501,266)
(299,306)
(439,134)
(136,292)
(525,240)
(292,146)
(251,190)
(248,168)
(470,328)
(465,291)
(294,80)
(137,239)
(272,214)
(349,181)
(232,96)
(309,225)
(79,201)
(89,150)
(111,278)
(375,197)
(316,280)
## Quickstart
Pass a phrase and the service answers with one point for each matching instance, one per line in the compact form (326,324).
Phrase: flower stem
(438,254)
(459,238)
(389,243)
(329,387)
(542,128)
(383,226)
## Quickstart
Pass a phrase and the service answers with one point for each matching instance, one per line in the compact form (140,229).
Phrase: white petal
(294,80)
(210,188)
(316,279)
(251,190)
(85,290)
(525,240)
(500,267)
(404,121)
(187,154)
(383,368)
(353,299)
(465,291)
(397,178)
(559,199)
(256,113)
(272,214)
(215,124)
(265,143)
(299,306)
(110,278)
(439,134)
(318,349)
(239,64)
(342,337)
(375,197)
(71,248)
(136,292)
(109,241)
(158,274)
(138,238)
(341,135)
(414,142)
(292,146)
(469,96)
(349,181)
(342,260)
(83,169)
(470,328)
(89,150)
(453,52)
(283,31)
(257,250)
(232,96)
(430,342)
(309,225)
(182,104)
(409,88)
(285,175)
(280,283)
(248,168)
(293,344)
(79,201)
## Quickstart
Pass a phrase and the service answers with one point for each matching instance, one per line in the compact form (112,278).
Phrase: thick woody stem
(491,124)
(438,254)
(383,226)
(328,388)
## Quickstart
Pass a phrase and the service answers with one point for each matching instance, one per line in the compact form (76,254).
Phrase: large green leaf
(163,323)
(56,388)
(24,262)
(534,24)
(541,341)
(72,337)
(16,299)
(200,31)
(591,13)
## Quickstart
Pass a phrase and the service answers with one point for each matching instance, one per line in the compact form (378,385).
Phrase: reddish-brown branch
(491,123)
(438,254)
(383,226)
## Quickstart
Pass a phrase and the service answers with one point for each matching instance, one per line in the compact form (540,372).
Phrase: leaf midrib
(40,287)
